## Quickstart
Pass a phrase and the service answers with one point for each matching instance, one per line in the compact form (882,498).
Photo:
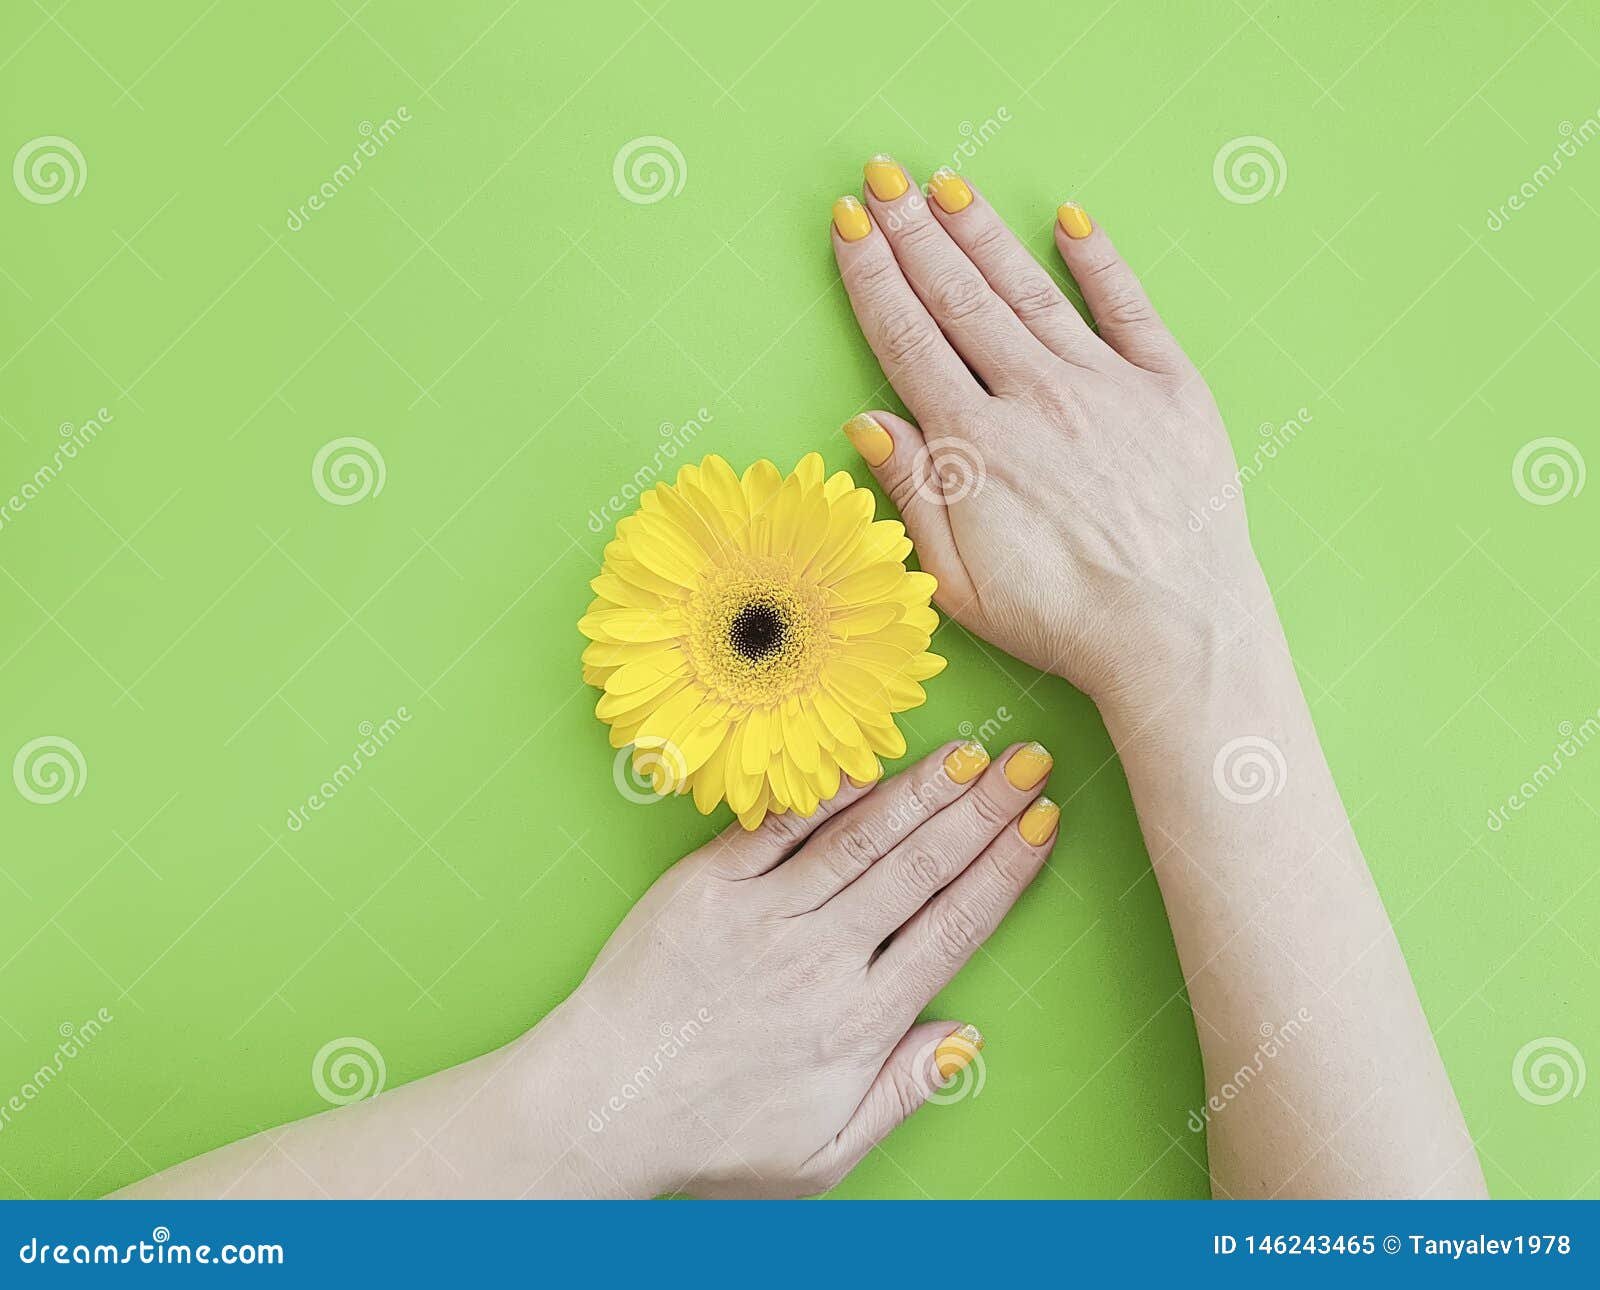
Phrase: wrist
(563,1090)
(1212,663)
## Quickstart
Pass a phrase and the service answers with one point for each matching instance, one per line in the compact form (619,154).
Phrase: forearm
(509,1124)
(1322,1076)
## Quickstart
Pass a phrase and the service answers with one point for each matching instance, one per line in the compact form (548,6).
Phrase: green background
(484,305)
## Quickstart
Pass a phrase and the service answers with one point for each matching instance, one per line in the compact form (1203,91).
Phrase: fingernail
(885,177)
(1028,765)
(851,219)
(1038,822)
(1074,220)
(869,438)
(949,190)
(955,1052)
(863,783)
(965,762)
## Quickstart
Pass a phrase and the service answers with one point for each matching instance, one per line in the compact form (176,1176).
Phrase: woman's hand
(1060,484)
(1076,497)
(746,1031)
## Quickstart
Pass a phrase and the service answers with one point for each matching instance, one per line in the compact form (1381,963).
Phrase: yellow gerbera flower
(755,636)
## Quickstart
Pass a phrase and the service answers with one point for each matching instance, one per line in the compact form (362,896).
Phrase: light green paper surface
(483,304)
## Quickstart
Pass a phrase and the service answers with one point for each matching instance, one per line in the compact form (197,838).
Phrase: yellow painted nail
(869,438)
(955,1052)
(1074,220)
(1028,765)
(885,177)
(965,762)
(851,219)
(1038,822)
(862,783)
(950,191)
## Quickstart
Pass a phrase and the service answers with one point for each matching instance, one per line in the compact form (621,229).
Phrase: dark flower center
(757,632)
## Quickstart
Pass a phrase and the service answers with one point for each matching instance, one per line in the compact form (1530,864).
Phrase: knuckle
(920,870)
(1033,299)
(786,829)
(905,337)
(1014,868)
(958,294)
(851,850)
(955,930)
(908,1091)
(918,232)
(802,974)
(905,491)
(989,811)
(991,240)
(1129,309)
(1063,403)
(873,275)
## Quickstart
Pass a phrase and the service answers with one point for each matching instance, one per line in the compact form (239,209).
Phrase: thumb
(915,477)
(927,1062)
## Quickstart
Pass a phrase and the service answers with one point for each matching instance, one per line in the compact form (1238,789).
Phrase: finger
(1010,269)
(927,953)
(982,327)
(937,852)
(1124,314)
(926,373)
(850,845)
(738,852)
(902,464)
(928,1057)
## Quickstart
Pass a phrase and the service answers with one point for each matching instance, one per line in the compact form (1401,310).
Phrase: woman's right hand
(1079,505)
